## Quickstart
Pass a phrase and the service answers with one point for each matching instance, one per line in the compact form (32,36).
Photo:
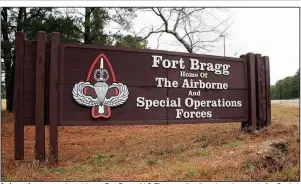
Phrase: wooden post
(267,88)
(263,95)
(40,86)
(245,123)
(54,96)
(259,89)
(250,59)
(18,96)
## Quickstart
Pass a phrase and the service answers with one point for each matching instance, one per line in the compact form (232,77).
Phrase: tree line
(74,26)
(105,26)
(287,88)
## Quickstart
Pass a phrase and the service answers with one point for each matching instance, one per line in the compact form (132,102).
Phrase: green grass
(102,157)
(205,153)
(247,151)
(78,167)
(152,161)
(249,166)
(233,144)
(288,174)
(192,172)
(58,170)
(5,178)
(180,148)
(163,155)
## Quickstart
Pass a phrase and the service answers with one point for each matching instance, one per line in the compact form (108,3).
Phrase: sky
(272,32)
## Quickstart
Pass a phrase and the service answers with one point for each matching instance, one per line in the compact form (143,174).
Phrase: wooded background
(105,26)
(287,88)
(72,28)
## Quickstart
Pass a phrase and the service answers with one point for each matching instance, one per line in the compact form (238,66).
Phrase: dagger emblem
(101,87)
(101,75)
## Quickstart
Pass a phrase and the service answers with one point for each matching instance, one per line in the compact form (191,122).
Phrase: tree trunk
(20,20)
(87,25)
(11,77)
(7,57)
(9,61)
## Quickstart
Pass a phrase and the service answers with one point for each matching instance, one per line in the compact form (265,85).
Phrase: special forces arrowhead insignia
(98,98)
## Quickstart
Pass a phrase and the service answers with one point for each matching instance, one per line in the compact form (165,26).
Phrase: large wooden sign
(154,87)
(64,84)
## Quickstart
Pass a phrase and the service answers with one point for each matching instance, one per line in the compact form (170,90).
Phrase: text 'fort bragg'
(193,84)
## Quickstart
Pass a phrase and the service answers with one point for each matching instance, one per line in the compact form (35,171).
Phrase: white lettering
(166,63)
(218,69)
(156,61)
(147,104)
(163,82)
(192,114)
(190,83)
(140,101)
(194,64)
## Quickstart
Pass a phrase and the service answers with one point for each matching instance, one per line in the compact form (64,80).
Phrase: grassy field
(204,152)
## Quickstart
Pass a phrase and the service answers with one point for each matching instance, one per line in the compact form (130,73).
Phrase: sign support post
(39,105)
(54,93)
(252,117)
(19,90)
(267,88)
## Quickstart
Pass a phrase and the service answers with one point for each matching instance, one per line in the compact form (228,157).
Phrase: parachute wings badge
(101,89)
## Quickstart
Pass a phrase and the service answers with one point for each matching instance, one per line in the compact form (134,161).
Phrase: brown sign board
(149,85)
(67,84)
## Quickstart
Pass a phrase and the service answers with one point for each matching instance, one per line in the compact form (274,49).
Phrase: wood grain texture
(18,96)
(30,80)
(259,89)
(268,93)
(47,83)
(39,100)
(252,90)
(244,124)
(264,96)
(54,95)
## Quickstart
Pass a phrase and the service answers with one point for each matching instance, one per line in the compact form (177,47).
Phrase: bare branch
(190,13)
(177,21)
(141,30)
(155,11)
(163,18)
(190,39)
(190,27)
(159,40)
(152,32)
